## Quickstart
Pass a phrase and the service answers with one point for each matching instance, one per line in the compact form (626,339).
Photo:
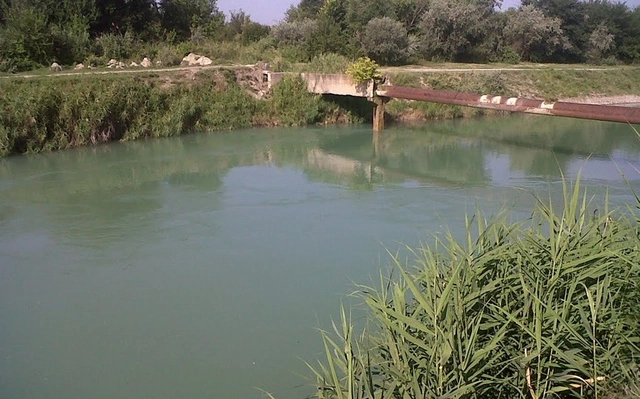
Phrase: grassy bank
(47,113)
(51,113)
(538,309)
(547,83)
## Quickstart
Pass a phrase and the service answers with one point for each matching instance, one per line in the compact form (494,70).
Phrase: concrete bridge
(334,83)
(379,95)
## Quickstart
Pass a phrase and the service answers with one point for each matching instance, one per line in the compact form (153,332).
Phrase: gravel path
(630,100)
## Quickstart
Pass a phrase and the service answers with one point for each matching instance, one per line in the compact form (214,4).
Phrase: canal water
(202,266)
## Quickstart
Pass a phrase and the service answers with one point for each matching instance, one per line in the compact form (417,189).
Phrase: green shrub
(292,104)
(327,63)
(8,65)
(72,44)
(294,54)
(364,69)
(116,46)
(94,61)
(168,55)
(506,55)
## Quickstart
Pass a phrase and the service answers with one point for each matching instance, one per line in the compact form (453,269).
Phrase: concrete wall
(339,84)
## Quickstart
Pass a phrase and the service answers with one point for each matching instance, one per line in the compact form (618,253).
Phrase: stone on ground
(204,61)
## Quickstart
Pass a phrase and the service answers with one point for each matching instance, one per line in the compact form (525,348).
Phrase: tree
(295,33)
(629,49)
(360,12)
(70,25)
(533,35)
(618,20)
(332,35)
(185,16)
(334,11)
(450,29)
(386,41)
(25,38)
(307,9)
(240,27)
(410,12)
(572,17)
(70,12)
(601,41)
(121,16)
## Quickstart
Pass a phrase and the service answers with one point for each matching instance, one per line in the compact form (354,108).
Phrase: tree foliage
(295,33)
(34,33)
(410,12)
(386,41)
(185,16)
(25,40)
(360,12)
(304,10)
(533,35)
(601,41)
(451,28)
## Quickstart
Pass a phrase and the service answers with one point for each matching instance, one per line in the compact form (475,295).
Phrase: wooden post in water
(378,112)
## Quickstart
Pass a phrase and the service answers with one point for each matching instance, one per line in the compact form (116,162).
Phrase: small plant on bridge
(364,69)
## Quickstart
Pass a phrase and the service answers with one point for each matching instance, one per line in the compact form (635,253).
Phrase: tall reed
(537,309)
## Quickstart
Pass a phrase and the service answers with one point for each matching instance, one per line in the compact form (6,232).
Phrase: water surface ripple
(200,266)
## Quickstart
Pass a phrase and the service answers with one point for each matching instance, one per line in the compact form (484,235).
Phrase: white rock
(204,61)
(158,63)
(146,63)
(190,59)
(133,64)
(112,62)
(79,66)
(120,65)
(56,67)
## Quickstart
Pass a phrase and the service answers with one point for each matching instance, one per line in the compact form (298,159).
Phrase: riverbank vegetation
(535,309)
(55,113)
(50,113)
(36,33)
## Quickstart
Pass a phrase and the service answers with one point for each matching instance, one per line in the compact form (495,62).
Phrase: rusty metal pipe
(610,113)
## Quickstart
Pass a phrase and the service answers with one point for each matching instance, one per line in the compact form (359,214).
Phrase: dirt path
(473,69)
(404,69)
(128,70)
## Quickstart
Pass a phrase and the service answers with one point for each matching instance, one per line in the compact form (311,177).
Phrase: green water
(201,266)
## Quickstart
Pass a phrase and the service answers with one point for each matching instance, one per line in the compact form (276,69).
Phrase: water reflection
(491,151)
(468,152)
